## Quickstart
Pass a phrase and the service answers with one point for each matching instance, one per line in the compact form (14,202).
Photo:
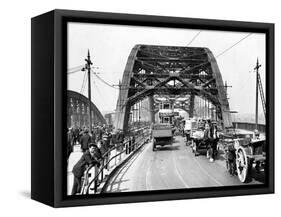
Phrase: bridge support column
(151,109)
(191,106)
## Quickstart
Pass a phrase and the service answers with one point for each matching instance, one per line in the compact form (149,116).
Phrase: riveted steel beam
(171,70)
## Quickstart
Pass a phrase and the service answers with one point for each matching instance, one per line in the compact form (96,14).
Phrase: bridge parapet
(249,126)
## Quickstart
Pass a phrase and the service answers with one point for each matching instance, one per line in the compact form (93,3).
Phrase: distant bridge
(78,111)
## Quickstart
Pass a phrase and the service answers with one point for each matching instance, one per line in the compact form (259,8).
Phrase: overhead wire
(227,49)
(75,69)
(78,69)
(96,86)
(83,83)
(103,81)
(117,88)
(198,33)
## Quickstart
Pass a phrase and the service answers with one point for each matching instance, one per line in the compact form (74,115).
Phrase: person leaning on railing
(91,157)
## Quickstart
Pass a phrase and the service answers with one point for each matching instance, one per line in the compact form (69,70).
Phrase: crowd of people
(96,146)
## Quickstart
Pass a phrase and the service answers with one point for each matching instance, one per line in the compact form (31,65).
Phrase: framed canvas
(134,108)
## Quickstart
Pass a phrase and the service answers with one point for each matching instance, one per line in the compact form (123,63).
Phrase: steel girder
(171,70)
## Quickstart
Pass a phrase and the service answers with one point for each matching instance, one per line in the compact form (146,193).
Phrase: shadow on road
(168,148)
(115,183)
(220,156)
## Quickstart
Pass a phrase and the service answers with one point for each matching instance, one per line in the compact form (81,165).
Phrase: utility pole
(88,68)
(257,92)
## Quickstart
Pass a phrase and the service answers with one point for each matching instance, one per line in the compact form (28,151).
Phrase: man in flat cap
(90,157)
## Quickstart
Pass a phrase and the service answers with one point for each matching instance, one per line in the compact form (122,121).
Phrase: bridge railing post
(102,169)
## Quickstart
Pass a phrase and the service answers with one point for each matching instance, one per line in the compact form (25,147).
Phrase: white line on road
(178,173)
(148,173)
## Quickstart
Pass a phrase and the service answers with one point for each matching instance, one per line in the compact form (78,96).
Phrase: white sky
(110,46)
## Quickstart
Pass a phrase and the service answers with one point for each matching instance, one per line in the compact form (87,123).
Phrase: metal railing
(249,126)
(124,148)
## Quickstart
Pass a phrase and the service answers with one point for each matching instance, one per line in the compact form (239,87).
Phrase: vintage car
(161,135)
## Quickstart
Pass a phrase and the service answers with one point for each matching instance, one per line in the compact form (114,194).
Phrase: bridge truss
(172,72)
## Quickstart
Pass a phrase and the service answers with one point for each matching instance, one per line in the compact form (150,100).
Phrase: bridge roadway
(172,167)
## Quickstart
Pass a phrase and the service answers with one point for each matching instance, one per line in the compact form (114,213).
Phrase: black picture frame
(49,61)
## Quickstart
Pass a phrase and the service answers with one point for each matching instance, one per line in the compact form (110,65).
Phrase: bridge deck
(172,167)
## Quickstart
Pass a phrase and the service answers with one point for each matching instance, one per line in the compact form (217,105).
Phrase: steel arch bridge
(78,111)
(171,70)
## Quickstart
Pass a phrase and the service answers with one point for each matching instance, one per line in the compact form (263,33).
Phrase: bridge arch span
(171,70)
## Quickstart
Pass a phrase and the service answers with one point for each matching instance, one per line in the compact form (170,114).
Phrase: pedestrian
(187,130)
(114,138)
(93,137)
(213,138)
(76,135)
(88,158)
(107,137)
(105,147)
(205,140)
(85,140)
(99,133)
(69,141)
(120,137)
